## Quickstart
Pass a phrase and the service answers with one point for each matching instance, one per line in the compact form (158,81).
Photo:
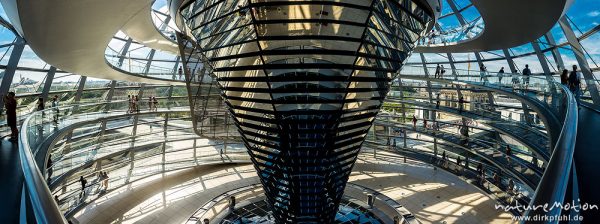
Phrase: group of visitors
(483,74)
(56,110)
(10,104)
(572,80)
(134,103)
(152,103)
(439,71)
(461,164)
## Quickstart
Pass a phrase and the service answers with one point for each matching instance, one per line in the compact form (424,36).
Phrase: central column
(303,81)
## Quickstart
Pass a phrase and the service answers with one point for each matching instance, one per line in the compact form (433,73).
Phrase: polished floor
(433,196)
(12,181)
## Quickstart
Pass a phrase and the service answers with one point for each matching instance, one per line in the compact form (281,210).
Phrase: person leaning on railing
(10,103)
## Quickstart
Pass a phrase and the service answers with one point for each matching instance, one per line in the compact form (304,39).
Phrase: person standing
(83,182)
(437,101)
(10,103)
(482,177)
(155,103)
(482,74)
(500,75)
(49,168)
(442,71)
(564,78)
(130,102)
(508,153)
(150,103)
(180,72)
(55,108)
(414,120)
(105,180)
(438,71)
(136,103)
(444,156)
(40,104)
(526,74)
(103,176)
(575,83)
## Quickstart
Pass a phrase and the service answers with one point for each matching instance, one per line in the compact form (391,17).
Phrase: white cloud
(594,13)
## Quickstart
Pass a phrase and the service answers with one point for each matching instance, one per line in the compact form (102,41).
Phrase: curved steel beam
(142,29)
(508,23)
(73,35)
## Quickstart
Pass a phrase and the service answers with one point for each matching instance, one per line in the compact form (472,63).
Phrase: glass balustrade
(139,67)
(543,89)
(453,36)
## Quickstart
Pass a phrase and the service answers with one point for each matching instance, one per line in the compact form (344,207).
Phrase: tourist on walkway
(55,108)
(103,177)
(442,71)
(564,78)
(575,83)
(438,71)
(180,72)
(136,103)
(526,74)
(482,177)
(508,153)
(40,104)
(150,103)
(482,74)
(83,182)
(515,80)
(444,155)
(500,75)
(10,103)
(424,123)
(155,103)
(130,101)
(414,120)
(437,101)
(49,168)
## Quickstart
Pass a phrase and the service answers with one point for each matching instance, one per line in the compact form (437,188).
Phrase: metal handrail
(44,206)
(45,209)
(554,183)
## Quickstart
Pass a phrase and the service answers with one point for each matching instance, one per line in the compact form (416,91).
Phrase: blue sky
(585,13)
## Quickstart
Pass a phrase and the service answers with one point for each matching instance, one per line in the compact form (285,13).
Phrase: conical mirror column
(303,81)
